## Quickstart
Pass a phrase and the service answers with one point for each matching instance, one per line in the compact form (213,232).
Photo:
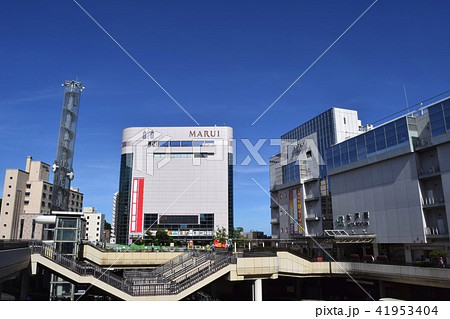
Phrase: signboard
(299,209)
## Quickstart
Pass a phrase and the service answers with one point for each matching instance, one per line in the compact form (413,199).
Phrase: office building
(95,224)
(392,184)
(175,178)
(301,202)
(27,194)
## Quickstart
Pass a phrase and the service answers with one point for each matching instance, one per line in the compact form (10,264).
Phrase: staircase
(171,278)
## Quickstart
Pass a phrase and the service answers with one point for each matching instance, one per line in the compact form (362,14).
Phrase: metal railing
(171,278)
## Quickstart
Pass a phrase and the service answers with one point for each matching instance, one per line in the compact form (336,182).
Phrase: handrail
(174,282)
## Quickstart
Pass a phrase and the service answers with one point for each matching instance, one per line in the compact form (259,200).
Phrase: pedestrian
(213,248)
(441,262)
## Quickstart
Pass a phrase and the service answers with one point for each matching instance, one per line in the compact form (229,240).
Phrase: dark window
(391,136)
(186,143)
(402,131)
(344,153)
(380,138)
(33,228)
(22,221)
(178,219)
(198,143)
(370,142)
(352,150)
(336,156)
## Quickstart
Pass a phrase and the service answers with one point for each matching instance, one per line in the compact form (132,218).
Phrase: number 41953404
(407,310)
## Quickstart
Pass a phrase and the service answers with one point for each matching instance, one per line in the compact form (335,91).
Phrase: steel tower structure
(62,167)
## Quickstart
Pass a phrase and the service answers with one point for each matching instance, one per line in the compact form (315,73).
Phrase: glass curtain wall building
(179,179)
(298,174)
(393,183)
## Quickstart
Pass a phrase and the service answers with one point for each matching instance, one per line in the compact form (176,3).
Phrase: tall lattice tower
(62,168)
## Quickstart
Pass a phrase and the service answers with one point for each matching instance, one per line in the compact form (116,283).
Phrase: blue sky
(225,62)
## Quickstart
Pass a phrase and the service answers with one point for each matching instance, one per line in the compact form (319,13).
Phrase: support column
(257,290)
(381,289)
(376,252)
(408,254)
(24,283)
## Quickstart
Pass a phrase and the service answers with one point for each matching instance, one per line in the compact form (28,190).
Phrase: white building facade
(95,224)
(179,179)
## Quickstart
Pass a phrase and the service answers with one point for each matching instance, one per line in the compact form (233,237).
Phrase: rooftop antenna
(406,97)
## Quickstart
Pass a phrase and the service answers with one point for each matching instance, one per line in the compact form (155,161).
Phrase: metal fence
(171,278)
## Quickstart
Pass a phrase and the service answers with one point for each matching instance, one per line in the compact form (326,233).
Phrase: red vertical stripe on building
(140,205)
(136,205)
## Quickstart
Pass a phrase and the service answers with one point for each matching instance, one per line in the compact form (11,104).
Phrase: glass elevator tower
(62,167)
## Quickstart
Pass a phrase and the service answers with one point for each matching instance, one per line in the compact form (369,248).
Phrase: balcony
(421,143)
(426,173)
(433,202)
(311,197)
(312,218)
(433,232)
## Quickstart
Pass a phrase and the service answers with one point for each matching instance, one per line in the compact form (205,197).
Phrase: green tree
(236,233)
(221,235)
(436,254)
(163,237)
(151,238)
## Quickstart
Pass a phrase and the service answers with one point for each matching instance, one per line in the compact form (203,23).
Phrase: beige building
(26,195)
(95,223)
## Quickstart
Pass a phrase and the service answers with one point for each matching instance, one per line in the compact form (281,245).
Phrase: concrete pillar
(257,290)
(249,245)
(376,252)
(408,254)
(381,289)
(24,283)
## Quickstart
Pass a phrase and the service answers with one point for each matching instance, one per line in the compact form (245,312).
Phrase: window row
(182,155)
(389,136)
(291,172)
(179,143)
(439,117)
